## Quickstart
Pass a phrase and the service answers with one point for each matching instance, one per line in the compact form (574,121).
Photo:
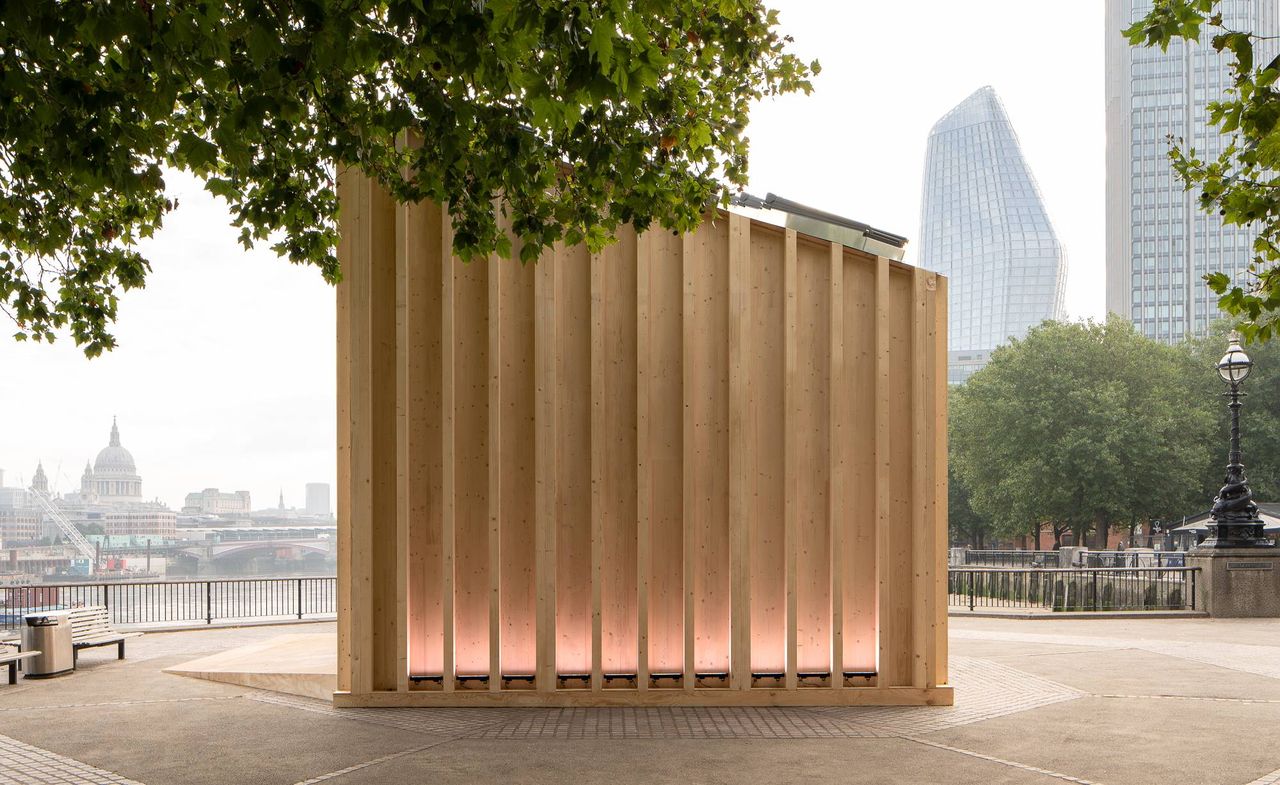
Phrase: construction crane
(68,529)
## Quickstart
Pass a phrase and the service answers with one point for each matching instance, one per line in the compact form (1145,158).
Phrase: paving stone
(23,764)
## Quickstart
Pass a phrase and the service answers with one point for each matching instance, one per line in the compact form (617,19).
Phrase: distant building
(1160,244)
(20,519)
(20,525)
(111,495)
(144,520)
(113,477)
(984,226)
(40,481)
(211,501)
(318,498)
(11,498)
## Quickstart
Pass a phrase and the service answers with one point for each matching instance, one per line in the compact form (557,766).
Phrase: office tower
(1160,244)
(317,498)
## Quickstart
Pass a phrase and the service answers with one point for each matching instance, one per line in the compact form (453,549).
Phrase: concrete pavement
(1047,701)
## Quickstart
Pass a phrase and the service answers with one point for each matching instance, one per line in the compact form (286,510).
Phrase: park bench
(91,627)
(12,658)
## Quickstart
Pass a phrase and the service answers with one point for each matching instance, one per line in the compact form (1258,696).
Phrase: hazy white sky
(890,70)
(225,372)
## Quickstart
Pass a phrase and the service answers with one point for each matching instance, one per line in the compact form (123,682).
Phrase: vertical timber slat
(386,559)
(361,439)
(811,392)
(922,480)
(791,448)
(859,557)
(401,398)
(618,445)
(345,314)
(741,449)
(598,419)
(666,416)
(940,492)
(406,364)
(471,457)
(496,501)
(689,337)
(449,525)
(886,673)
(421,453)
(517,547)
(768,552)
(644,458)
(837,510)
(545,523)
(573,461)
(897,629)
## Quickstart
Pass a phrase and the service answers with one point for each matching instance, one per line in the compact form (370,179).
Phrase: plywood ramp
(706,469)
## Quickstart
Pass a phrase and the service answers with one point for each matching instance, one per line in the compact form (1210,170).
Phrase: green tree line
(1091,427)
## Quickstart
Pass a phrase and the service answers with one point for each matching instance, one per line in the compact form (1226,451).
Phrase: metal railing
(181,602)
(1133,559)
(1074,589)
(1011,558)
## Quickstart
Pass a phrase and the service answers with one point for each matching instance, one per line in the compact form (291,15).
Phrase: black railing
(1074,589)
(1011,558)
(175,603)
(1133,559)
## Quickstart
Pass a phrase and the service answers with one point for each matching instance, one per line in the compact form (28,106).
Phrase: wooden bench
(12,658)
(91,627)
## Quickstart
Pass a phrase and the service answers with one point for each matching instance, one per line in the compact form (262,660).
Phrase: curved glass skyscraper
(984,226)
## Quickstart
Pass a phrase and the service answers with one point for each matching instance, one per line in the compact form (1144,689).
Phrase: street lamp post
(1234,521)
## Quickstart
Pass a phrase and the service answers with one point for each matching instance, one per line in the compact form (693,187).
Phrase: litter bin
(49,633)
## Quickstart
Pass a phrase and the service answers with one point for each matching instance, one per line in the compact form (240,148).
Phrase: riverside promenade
(1108,701)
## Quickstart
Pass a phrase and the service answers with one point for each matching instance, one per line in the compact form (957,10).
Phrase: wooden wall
(700,469)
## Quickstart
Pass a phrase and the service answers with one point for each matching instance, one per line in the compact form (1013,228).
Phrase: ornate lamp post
(1234,519)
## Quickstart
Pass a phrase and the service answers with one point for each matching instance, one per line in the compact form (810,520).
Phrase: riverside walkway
(1107,701)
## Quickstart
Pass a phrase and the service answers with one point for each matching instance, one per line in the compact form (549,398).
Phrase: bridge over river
(235,550)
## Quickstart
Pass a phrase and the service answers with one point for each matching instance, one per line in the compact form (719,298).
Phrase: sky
(224,374)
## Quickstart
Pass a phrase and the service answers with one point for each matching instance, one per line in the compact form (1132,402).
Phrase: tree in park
(966,526)
(1242,184)
(1083,426)
(576,115)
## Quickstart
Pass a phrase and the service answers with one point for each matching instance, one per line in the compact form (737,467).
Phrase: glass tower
(1160,244)
(984,226)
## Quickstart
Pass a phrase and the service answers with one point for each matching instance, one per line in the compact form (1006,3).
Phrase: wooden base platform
(306,665)
(299,664)
(807,696)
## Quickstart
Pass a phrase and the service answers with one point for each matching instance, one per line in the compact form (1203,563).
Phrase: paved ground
(1115,701)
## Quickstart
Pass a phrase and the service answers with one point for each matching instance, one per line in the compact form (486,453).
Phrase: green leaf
(200,155)
(1218,282)
(600,44)
(1241,47)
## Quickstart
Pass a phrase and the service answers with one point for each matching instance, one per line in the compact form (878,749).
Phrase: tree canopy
(578,115)
(1242,184)
(1083,426)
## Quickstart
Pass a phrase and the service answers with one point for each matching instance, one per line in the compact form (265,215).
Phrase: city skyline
(58,482)
(1160,244)
(984,226)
